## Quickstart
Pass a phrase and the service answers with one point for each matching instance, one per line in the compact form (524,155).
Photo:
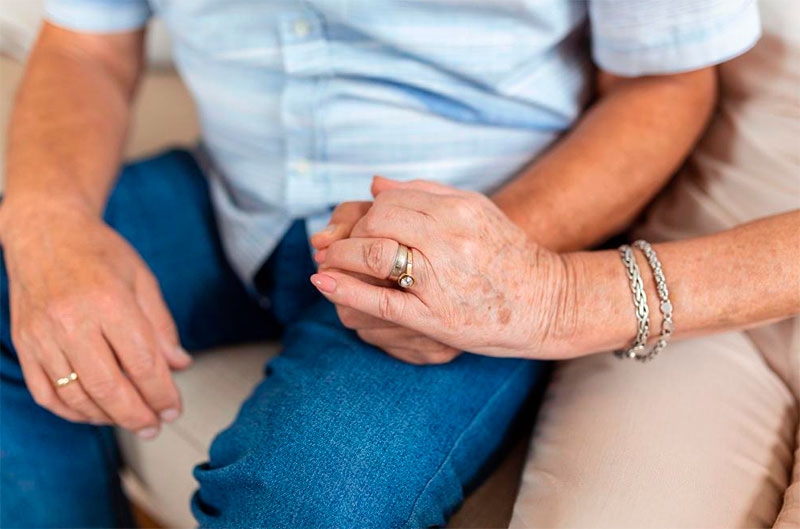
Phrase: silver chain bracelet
(639,296)
(667,326)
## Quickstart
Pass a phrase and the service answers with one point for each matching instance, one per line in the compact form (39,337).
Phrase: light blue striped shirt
(301,102)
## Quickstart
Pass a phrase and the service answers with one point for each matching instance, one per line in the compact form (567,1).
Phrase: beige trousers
(707,434)
(702,437)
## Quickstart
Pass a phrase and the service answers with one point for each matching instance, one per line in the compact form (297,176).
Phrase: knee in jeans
(311,486)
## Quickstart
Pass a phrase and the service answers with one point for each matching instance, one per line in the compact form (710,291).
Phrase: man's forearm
(69,122)
(596,180)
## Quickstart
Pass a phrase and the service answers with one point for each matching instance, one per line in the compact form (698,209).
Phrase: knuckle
(107,299)
(142,366)
(61,310)
(374,256)
(104,389)
(463,209)
(387,309)
(22,336)
(371,222)
(76,399)
(467,248)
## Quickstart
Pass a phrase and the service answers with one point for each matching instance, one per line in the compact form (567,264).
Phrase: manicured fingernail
(325,283)
(319,257)
(148,433)
(169,415)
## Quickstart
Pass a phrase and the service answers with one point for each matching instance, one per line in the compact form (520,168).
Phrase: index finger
(344,217)
(388,304)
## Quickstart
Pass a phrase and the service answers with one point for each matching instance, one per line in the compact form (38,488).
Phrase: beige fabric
(704,436)
(700,438)
(159,473)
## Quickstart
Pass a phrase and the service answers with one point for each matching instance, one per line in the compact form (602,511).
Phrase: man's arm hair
(596,180)
(69,122)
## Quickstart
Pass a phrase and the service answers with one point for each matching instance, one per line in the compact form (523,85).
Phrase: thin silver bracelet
(640,302)
(667,325)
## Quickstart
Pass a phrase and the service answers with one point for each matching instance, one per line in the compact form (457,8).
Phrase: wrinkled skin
(481,285)
(83,300)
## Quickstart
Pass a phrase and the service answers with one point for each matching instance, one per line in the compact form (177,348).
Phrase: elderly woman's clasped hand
(476,275)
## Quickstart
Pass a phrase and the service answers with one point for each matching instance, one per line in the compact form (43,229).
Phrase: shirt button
(301,28)
(301,166)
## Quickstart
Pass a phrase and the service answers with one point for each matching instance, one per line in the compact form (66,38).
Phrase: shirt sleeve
(638,37)
(98,16)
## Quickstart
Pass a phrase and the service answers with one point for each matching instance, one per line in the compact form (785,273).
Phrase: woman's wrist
(543,313)
(597,312)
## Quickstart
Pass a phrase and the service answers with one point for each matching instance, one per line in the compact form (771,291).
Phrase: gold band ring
(403,267)
(61,382)
(400,262)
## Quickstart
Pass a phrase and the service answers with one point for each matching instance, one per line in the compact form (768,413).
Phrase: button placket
(305,59)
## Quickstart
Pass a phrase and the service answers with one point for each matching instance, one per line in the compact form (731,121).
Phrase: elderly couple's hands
(83,300)
(481,285)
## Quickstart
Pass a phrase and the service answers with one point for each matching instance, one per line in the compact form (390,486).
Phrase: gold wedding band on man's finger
(402,271)
(63,381)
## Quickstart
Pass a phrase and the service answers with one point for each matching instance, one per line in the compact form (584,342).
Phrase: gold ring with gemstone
(63,381)
(403,267)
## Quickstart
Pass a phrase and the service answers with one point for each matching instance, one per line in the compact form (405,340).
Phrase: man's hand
(402,343)
(83,300)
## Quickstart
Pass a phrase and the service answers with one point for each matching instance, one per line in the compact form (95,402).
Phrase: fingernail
(319,257)
(170,414)
(325,283)
(148,433)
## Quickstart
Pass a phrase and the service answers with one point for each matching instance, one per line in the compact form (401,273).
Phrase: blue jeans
(337,434)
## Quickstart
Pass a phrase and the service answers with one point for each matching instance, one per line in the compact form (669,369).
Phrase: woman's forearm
(734,279)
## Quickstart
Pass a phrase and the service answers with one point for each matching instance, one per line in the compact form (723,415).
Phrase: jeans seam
(458,440)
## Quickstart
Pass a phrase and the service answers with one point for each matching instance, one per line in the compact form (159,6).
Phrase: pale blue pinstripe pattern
(302,102)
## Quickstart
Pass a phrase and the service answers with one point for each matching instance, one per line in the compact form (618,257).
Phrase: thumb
(156,311)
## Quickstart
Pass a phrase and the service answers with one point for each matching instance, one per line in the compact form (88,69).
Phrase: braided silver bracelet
(639,297)
(639,300)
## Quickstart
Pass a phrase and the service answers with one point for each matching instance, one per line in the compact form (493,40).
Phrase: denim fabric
(337,434)
(58,474)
